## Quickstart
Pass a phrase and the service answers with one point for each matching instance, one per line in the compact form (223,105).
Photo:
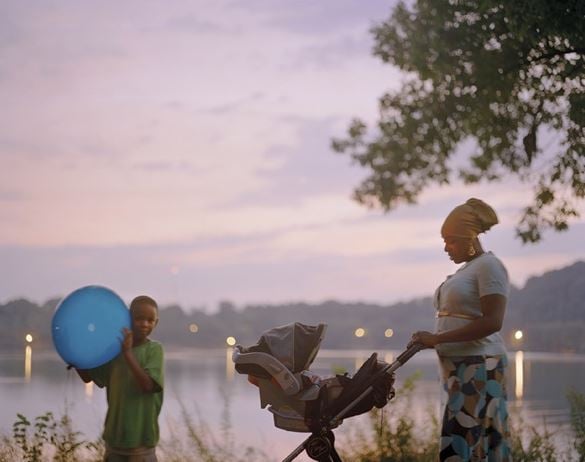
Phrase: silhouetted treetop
(507,77)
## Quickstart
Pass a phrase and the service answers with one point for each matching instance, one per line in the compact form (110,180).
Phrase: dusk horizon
(185,152)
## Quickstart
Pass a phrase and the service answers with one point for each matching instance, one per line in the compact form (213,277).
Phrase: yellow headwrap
(469,219)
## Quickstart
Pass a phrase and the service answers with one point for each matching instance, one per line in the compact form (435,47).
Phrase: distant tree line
(548,309)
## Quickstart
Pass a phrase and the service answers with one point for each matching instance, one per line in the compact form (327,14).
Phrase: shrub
(49,436)
(196,441)
(577,403)
(391,435)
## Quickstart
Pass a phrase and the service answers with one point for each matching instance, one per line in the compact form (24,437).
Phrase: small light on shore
(360,332)
(388,333)
(28,338)
(193,328)
(231,341)
(518,335)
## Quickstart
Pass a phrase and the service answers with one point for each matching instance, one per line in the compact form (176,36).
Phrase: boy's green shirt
(132,418)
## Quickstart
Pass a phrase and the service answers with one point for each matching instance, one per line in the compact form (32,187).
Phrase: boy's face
(144,320)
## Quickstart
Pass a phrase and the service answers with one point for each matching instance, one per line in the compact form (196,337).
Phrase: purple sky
(181,149)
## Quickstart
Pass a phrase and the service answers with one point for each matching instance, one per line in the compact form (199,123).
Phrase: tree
(504,76)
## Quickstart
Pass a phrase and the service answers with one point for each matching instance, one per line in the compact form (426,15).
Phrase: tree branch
(552,54)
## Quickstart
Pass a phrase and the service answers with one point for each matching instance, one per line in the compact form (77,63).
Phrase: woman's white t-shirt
(460,294)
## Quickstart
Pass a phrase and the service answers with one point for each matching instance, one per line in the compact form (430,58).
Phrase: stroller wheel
(321,447)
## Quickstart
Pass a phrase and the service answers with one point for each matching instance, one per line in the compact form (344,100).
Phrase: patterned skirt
(475,422)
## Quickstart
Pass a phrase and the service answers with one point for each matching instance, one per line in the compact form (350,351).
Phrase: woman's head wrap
(469,219)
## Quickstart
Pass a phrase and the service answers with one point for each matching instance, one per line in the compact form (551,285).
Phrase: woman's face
(457,248)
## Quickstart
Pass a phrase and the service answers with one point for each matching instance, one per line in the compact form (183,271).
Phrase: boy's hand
(128,340)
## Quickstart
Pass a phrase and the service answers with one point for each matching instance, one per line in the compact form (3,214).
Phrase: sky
(182,149)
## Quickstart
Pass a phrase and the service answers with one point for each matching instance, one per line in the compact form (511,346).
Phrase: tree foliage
(507,77)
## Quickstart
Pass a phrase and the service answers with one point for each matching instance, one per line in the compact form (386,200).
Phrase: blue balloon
(87,326)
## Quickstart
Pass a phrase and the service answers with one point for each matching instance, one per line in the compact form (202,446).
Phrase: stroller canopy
(295,345)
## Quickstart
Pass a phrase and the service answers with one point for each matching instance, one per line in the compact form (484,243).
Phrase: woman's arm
(493,308)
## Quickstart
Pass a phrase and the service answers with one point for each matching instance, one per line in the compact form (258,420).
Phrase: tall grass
(47,438)
(193,440)
(391,434)
(531,444)
(577,403)
(386,435)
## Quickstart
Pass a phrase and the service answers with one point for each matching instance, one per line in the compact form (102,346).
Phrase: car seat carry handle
(389,369)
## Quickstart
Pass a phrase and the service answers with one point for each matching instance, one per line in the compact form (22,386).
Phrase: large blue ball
(87,326)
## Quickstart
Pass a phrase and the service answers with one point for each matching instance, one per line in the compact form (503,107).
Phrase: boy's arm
(144,381)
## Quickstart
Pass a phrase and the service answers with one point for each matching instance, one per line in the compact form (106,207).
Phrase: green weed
(47,438)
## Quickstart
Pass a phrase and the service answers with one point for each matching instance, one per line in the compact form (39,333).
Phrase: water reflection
(229,365)
(359,361)
(200,380)
(519,375)
(27,363)
(89,390)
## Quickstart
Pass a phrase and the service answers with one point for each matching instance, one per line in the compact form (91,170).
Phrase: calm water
(209,388)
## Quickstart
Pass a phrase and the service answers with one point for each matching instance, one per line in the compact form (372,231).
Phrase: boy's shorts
(130,455)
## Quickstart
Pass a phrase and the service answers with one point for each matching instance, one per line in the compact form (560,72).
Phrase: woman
(470,308)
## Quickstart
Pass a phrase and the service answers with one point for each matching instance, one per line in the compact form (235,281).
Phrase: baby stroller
(300,400)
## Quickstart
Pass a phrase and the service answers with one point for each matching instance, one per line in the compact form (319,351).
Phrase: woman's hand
(425,338)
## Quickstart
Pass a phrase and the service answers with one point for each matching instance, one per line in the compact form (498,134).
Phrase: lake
(206,384)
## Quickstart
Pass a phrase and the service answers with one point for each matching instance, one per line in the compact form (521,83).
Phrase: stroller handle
(410,352)
(405,356)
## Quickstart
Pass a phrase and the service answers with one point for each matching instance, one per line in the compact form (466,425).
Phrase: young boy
(134,381)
